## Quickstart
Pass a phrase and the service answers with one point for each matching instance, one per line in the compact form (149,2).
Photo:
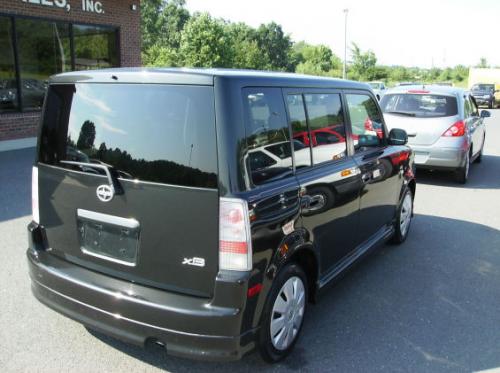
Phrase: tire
(290,279)
(490,105)
(479,157)
(404,217)
(462,174)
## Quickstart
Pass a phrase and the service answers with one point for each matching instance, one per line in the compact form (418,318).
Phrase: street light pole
(344,73)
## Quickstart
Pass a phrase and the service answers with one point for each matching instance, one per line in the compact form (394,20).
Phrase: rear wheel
(462,174)
(405,214)
(283,314)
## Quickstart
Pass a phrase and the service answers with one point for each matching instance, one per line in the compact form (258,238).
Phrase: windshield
(483,87)
(419,105)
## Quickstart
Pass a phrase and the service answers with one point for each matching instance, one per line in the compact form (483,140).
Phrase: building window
(8,85)
(95,47)
(45,48)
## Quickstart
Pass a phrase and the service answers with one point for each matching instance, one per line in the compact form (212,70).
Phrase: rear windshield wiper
(110,172)
(408,114)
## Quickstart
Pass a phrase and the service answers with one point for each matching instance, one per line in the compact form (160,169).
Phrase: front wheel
(403,221)
(283,313)
(491,104)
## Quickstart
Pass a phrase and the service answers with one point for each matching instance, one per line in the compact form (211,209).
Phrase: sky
(422,33)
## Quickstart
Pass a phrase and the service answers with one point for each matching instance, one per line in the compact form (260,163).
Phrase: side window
(265,125)
(473,107)
(467,107)
(300,132)
(366,122)
(327,128)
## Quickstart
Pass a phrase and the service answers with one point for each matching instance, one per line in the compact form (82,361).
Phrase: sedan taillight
(456,130)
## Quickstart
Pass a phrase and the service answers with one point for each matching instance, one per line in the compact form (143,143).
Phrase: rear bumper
(188,326)
(437,156)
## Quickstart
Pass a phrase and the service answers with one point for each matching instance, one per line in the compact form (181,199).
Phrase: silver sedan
(444,127)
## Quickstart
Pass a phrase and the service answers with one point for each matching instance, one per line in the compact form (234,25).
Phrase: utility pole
(344,73)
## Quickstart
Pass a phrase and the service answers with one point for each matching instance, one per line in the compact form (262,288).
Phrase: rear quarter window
(155,133)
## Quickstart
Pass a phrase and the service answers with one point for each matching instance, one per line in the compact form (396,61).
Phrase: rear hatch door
(128,182)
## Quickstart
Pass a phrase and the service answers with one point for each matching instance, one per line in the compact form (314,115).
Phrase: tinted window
(95,47)
(8,87)
(467,107)
(366,121)
(44,50)
(326,124)
(265,124)
(419,105)
(300,131)
(155,133)
(483,87)
(473,106)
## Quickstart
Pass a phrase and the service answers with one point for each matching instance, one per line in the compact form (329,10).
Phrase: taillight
(34,195)
(235,246)
(456,130)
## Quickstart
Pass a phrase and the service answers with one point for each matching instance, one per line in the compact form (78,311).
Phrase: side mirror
(485,114)
(398,136)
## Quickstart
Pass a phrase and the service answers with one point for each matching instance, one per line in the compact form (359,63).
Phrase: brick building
(39,38)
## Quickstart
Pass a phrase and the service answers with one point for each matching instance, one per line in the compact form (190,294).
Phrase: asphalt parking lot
(430,305)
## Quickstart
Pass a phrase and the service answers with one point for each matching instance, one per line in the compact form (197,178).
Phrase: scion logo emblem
(105,193)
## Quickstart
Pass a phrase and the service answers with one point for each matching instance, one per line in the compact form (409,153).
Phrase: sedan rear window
(148,132)
(419,105)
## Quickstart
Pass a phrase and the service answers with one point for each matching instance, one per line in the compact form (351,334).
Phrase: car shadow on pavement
(15,183)
(484,175)
(429,305)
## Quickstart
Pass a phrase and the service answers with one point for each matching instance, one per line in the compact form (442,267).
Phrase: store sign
(90,6)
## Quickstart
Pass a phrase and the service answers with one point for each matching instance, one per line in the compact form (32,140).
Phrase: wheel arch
(307,259)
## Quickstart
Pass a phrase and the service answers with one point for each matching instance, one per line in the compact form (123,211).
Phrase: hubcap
(287,314)
(406,210)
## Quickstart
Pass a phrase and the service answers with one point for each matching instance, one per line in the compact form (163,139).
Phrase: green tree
(363,63)
(205,43)
(276,45)
(158,55)
(86,137)
(246,51)
(483,63)
(162,22)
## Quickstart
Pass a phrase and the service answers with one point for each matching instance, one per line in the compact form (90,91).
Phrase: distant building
(39,38)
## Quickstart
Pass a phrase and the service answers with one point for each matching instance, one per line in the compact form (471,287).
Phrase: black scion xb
(202,210)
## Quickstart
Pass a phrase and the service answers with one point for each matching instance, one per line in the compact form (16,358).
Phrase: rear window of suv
(150,132)
(419,105)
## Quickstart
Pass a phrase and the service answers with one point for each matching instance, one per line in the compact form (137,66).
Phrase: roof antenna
(114,77)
